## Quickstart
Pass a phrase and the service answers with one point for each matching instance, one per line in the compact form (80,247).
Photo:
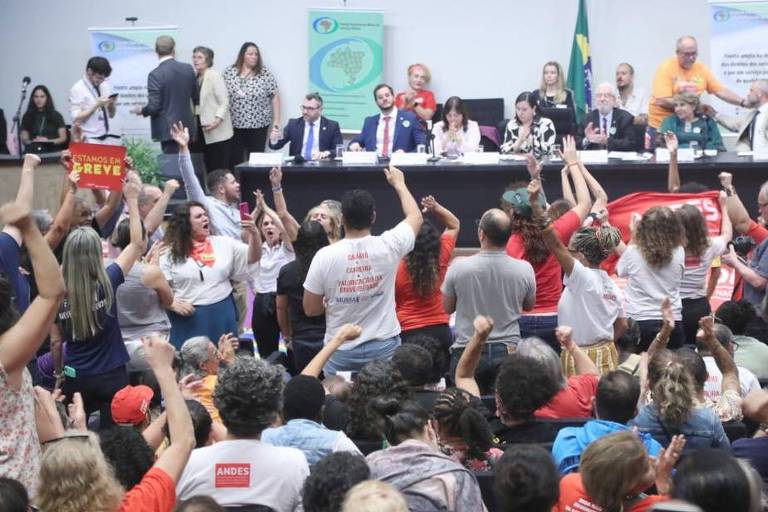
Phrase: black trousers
(266,331)
(693,310)
(97,392)
(441,332)
(650,328)
(217,155)
(247,141)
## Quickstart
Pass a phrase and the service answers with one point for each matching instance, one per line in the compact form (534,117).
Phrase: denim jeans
(541,326)
(492,356)
(354,359)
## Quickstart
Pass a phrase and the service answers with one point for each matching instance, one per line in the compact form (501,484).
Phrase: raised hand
(73,178)
(670,139)
(276,177)
(170,187)
(180,134)
(227,346)
(564,336)
(667,315)
(158,352)
(534,189)
(395,176)
(428,204)
(726,179)
(483,326)
(534,166)
(569,154)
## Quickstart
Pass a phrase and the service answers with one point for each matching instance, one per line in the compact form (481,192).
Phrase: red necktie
(385,143)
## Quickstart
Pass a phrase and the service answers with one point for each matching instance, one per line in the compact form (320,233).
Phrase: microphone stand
(17,118)
(431,142)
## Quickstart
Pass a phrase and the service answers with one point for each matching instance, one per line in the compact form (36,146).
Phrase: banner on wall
(131,53)
(346,57)
(738,46)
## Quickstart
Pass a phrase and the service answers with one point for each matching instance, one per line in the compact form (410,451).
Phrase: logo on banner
(107,46)
(100,166)
(345,65)
(722,15)
(325,25)
(232,475)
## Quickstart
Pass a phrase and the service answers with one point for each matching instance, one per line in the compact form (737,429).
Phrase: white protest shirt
(713,388)
(697,268)
(357,278)
(590,303)
(647,286)
(245,472)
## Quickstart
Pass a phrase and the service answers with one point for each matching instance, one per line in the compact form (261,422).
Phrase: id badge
(70,372)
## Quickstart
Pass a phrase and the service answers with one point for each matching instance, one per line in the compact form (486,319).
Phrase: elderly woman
(417,99)
(455,134)
(201,358)
(200,268)
(689,124)
(527,132)
(254,102)
(214,123)
(614,472)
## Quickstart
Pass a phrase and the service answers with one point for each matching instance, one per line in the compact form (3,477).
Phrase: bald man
(608,127)
(683,73)
(171,93)
(489,283)
(752,126)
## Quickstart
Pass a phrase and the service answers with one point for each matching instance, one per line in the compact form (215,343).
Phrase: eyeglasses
(688,54)
(305,107)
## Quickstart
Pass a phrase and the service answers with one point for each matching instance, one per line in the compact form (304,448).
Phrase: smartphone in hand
(245,211)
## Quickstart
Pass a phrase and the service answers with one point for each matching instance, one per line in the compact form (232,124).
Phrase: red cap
(130,404)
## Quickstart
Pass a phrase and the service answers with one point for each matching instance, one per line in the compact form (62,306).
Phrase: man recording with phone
(92,103)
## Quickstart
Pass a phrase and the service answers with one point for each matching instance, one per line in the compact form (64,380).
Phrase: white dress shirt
(315,142)
(82,97)
(637,103)
(759,141)
(380,132)
(468,139)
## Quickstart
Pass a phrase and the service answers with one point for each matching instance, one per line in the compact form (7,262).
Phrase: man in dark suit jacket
(311,136)
(608,127)
(400,129)
(171,92)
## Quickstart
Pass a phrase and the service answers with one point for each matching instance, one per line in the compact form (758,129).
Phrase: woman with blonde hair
(552,94)
(418,99)
(95,354)
(674,410)
(613,473)
(374,496)
(75,476)
(690,125)
(654,264)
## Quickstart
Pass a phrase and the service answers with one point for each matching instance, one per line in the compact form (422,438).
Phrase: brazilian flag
(580,67)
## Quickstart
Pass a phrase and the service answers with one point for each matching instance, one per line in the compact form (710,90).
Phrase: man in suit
(608,127)
(390,131)
(752,126)
(171,91)
(311,136)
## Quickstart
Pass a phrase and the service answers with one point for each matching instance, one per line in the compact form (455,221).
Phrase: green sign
(346,62)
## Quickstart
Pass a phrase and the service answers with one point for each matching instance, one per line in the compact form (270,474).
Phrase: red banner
(100,166)
(620,212)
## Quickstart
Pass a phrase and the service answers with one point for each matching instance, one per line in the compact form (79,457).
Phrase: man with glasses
(608,127)
(311,136)
(92,104)
(683,73)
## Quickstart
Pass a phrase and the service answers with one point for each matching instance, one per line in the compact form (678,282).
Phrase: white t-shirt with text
(648,286)
(697,268)
(357,278)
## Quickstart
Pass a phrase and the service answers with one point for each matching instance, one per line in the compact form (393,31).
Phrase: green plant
(145,161)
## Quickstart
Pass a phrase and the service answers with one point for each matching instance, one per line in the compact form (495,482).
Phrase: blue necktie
(310,142)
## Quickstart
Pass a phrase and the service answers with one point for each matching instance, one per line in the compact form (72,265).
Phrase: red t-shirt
(155,493)
(428,100)
(575,401)
(573,498)
(757,232)
(549,282)
(413,310)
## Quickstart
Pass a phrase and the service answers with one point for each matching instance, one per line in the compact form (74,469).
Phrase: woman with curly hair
(591,301)
(376,379)
(674,410)
(463,432)
(199,268)
(305,333)
(527,243)
(700,251)
(654,264)
(418,300)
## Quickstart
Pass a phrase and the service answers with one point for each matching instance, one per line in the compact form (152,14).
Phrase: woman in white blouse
(200,267)
(456,134)
(213,119)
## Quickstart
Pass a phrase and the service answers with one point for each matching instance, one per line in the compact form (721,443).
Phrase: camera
(742,245)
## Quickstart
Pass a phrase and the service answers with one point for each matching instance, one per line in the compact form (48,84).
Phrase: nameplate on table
(271,159)
(359,158)
(760,155)
(481,158)
(408,159)
(683,155)
(597,156)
